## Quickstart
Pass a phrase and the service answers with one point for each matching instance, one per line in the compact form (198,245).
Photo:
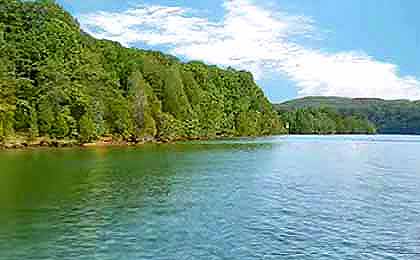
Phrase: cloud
(257,39)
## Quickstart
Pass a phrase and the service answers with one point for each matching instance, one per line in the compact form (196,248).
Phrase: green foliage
(7,98)
(87,129)
(57,81)
(26,118)
(389,116)
(143,106)
(64,124)
(174,99)
(6,123)
(169,127)
(324,121)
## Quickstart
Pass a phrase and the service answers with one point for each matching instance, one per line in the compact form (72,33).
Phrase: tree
(87,129)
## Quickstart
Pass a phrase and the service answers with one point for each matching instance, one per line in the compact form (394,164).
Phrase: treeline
(389,116)
(59,82)
(324,121)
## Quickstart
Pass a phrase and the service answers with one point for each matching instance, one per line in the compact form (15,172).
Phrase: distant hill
(389,116)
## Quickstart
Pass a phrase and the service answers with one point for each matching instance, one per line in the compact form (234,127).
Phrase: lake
(307,197)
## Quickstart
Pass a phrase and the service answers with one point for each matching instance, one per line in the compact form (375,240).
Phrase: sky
(294,48)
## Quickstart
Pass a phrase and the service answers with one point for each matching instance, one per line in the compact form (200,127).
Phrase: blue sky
(354,48)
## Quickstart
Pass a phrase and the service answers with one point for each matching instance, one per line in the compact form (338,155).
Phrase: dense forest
(324,121)
(58,82)
(389,116)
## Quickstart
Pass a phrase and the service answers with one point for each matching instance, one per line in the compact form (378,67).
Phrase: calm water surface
(271,198)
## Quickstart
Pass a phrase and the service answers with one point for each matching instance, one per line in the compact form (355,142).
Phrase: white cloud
(257,39)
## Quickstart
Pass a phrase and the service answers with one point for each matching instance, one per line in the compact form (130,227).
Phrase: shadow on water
(56,197)
(49,198)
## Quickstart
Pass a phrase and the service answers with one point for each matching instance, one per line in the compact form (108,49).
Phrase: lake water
(338,197)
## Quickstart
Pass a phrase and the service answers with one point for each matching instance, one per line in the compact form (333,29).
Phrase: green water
(270,198)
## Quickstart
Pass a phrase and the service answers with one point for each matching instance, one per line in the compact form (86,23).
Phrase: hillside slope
(59,82)
(389,116)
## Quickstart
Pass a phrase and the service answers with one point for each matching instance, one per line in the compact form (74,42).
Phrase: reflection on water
(344,197)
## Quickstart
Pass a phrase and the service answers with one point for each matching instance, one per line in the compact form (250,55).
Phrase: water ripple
(275,198)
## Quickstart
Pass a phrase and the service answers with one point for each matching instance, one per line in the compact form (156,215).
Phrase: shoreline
(43,142)
(105,142)
(67,143)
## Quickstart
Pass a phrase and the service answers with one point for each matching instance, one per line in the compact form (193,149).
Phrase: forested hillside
(59,82)
(324,121)
(389,116)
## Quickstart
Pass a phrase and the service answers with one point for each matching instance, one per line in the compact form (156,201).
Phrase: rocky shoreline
(20,143)
(44,142)
(109,141)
